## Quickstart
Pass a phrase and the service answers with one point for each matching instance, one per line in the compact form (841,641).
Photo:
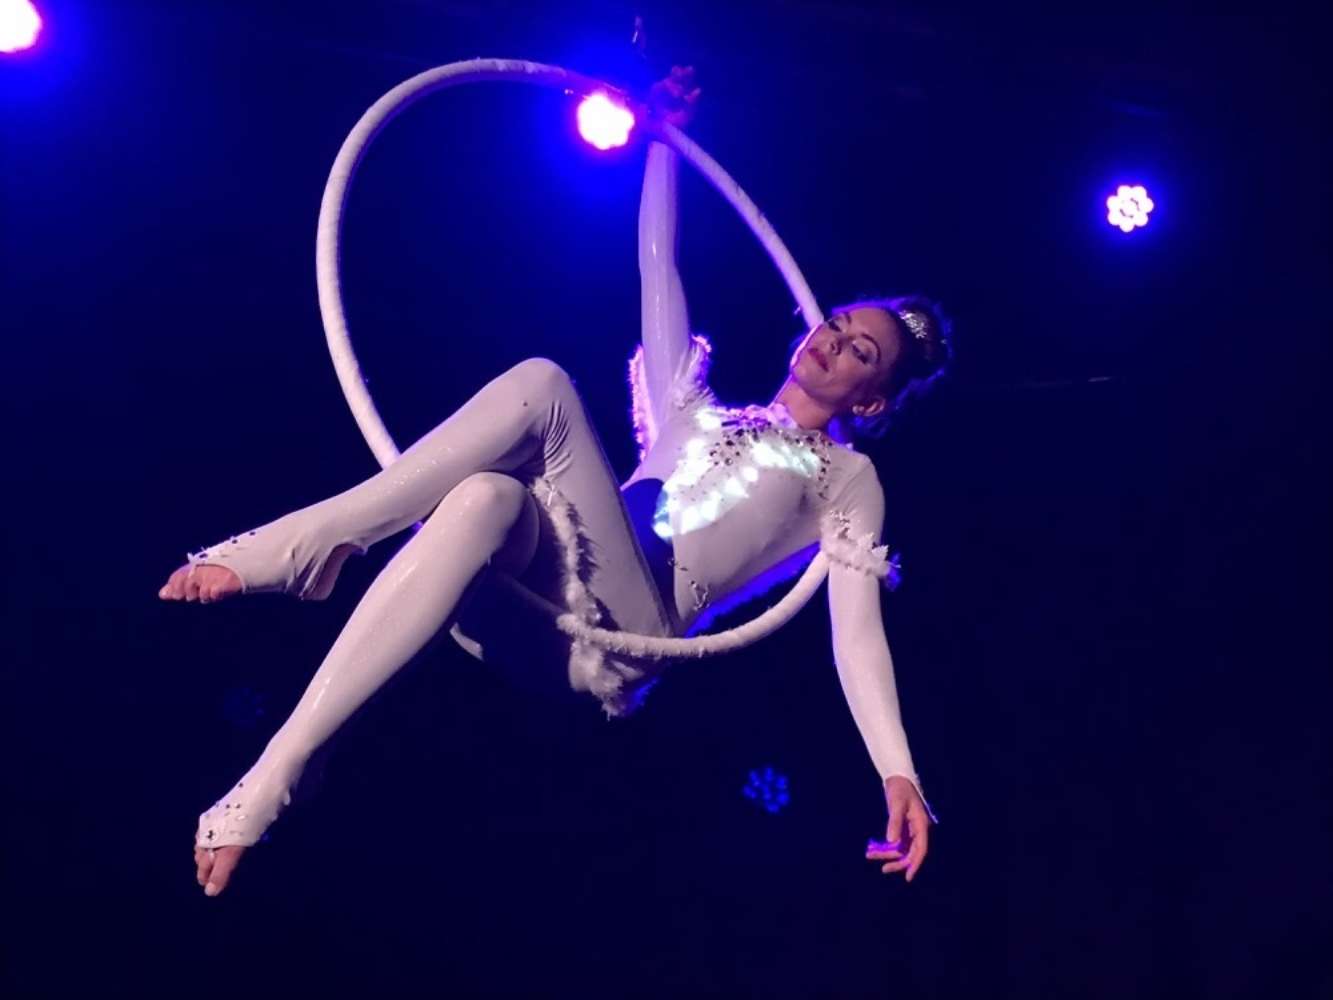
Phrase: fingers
(908,838)
(919,823)
(891,852)
(225,860)
(190,585)
(680,83)
(214,867)
(673,98)
(203,860)
(895,866)
(896,809)
(881,850)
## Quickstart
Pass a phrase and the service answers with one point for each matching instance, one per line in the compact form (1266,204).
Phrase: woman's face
(845,361)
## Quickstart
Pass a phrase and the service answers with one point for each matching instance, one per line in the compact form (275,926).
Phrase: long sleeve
(860,648)
(665,319)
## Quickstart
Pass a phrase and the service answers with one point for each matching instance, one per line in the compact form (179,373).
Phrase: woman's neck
(804,409)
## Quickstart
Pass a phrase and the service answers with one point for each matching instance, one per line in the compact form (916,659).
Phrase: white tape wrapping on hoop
(358,395)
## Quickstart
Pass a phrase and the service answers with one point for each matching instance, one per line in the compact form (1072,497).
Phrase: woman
(516,481)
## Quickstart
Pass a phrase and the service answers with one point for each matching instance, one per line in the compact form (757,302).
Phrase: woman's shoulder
(853,464)
(853,479)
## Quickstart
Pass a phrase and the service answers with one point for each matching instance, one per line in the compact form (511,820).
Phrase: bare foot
(214,867)
(204,584)
(207,584)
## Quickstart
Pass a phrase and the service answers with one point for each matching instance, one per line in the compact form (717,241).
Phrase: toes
(204,584)
(171,591)
(217,583)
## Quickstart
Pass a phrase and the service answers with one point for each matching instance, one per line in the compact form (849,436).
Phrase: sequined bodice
(742,493)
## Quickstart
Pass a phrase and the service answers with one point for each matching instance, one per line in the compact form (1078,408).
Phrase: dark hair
(925,332)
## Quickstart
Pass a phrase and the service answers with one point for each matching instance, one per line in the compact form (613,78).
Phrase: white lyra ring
(358,395)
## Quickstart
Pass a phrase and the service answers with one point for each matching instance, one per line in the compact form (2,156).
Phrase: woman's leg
(521,422)
(420,590)
(488,518)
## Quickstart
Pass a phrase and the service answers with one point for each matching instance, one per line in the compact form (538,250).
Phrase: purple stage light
(603,123)
(1128,208)
(19,25)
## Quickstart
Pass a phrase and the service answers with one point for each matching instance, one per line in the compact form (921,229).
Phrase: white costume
(722,503)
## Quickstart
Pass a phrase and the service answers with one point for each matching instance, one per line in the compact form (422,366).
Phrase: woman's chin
(807,372)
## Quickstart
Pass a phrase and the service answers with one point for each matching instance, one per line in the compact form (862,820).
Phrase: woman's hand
(672,100)
(908,838)
(213,867)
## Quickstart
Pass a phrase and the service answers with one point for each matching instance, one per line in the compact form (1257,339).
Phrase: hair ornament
(917,324)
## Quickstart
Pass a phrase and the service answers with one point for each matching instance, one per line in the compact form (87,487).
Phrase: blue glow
(767,788)
(20,24)
(603,123)
(1129,207)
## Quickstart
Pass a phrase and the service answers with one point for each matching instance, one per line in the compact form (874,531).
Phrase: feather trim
(619,686)
(859,553)
(689,388)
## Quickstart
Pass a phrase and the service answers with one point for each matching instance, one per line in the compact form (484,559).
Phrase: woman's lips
(820,360)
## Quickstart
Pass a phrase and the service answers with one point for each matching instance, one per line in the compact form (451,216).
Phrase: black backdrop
(1112,639)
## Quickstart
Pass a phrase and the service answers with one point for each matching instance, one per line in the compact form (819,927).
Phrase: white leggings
(469,479)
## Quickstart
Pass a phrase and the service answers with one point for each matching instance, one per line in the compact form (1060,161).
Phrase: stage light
(603,123)
(768,788)
(1128,208)
(19,25)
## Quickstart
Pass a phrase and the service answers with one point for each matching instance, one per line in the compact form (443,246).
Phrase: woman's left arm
(865,668)
(665,315)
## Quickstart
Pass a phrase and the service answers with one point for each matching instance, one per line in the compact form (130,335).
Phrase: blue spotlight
(1128,208)
(19,25)
(603,123)
(768,789)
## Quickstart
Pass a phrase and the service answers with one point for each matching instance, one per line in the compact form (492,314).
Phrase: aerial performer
(516,486)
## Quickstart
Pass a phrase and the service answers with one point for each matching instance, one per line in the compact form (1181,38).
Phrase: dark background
(1112,641)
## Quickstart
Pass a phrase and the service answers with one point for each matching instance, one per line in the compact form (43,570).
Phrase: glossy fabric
(652,568)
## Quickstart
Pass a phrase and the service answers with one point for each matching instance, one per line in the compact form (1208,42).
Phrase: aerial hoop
(358,395)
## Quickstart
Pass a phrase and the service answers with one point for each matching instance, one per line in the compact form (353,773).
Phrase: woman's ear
(872,406)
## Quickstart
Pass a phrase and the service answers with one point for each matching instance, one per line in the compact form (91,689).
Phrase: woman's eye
(861,355)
